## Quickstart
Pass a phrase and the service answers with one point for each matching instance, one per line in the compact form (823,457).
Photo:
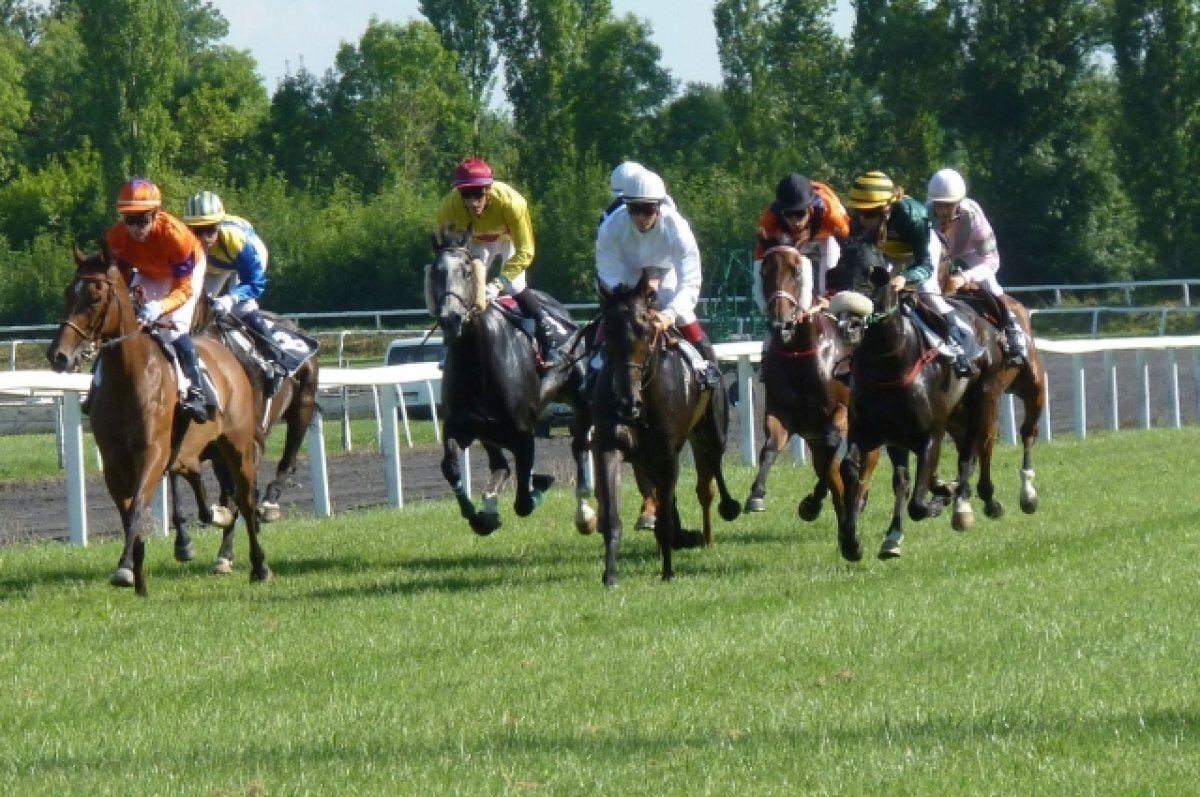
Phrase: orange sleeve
(768,227)
(836,223)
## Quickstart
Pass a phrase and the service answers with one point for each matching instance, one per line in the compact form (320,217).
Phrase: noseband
(464,256)
(797,314)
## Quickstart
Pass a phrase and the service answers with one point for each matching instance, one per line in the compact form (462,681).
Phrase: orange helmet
(138,196)
(473,173)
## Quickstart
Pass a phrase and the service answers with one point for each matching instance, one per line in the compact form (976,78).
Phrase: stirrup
(962,366)
(193,406)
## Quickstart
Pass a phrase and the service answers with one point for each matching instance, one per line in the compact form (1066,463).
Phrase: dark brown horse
(293,404)
(802,397)
(647,404)
(905,396)
(135,416)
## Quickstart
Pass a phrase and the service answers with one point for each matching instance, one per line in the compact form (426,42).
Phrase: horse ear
(80,258)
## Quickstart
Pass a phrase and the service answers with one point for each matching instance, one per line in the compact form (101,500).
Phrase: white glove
(222,304)
(492,290)
(149,312)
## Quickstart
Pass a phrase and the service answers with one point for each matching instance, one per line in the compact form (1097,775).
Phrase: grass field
(395,653)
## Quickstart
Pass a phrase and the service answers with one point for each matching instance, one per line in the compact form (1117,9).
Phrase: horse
(647,403)
(492,390)
(802,396)
(1027,382)
(905,396)
(293,403)
(135,415)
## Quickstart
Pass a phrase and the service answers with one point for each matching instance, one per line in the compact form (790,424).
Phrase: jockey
(971,250)
(237,269)
(498,218)
(903,231)
(648,235)
(811,214)
(169,264)
(616,183)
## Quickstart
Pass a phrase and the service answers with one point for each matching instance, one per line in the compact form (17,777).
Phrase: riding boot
(711,375)
(193,401)
(276,371)
(1015,353)
(958,342)
(546,330)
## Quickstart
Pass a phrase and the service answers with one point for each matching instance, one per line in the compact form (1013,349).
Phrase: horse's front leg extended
(851,472)
(776,436)
(185,550)
(608,492)
(452,472)
(667,527)
(585,516)
(919,505)
(894,537)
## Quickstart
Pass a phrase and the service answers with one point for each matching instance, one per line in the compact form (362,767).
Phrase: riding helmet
(473,173)
(139,195)
(793,194)
(203,209)
(621,174)
(872,190)
(644,186)
(947,185)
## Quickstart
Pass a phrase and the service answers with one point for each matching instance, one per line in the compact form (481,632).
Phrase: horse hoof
(269,512)
(729,509)
(809,509)
(259,576)
(585,520)
(645,523)
(185,553)
(222,516)
(1029,505)
(754,504)
(485,523)
(851,550)
(684,539)
(222,567)
(122,577)
(890,550)
(610,580)
(963,517)
(541,482)
(993,509)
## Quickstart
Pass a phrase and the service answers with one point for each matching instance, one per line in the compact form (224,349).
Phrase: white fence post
(1080,396)
(389,444)
(1110,370)
(73,458)
(1143,369)
(317,467)
(745,375)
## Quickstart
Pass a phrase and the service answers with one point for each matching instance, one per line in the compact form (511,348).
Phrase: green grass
(395,653)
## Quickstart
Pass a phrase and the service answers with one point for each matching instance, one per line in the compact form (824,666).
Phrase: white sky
(282,34)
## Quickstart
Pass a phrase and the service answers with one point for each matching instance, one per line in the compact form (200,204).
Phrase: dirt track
(36,510)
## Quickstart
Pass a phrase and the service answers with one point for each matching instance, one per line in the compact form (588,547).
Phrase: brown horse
(1027,382)
(647,403)
(802,396)
(135,415)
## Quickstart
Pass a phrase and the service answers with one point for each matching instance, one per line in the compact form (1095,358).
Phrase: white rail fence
(385,383)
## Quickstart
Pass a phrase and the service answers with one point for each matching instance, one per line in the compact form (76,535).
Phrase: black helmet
(793,194)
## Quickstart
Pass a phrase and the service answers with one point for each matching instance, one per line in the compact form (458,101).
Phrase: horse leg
(851,472)
(531,487)
(608,499)
(1033,397)
(649,510)
(919,505)
(297,419)
(242,463)
(452,472)
(224,515)
(585,516)
(185,550)
(130,570)
(666,527)
(894,536)
(775,436)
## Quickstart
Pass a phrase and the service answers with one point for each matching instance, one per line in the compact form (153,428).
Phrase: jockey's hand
(222,305)
(955,282)
(492,290)
(821,304)
(661,321)
(898,282)
(149,312)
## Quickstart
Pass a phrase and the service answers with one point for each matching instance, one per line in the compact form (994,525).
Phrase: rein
(92,335)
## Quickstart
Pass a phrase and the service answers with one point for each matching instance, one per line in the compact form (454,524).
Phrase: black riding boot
(712,374)
(275,372)
(1015,354)
(189,361)
(545,330)
(961,346)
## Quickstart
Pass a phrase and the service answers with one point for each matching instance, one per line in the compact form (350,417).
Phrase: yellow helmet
(872,190)
(203,209)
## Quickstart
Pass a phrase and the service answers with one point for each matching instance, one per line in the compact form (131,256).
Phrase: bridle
(463,257)
(92,336)
(798,314)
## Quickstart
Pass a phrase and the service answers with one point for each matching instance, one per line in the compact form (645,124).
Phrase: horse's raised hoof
(122,577)
(269,512)
(645,522)
(185,552)
(257,576)
(222,516)
(585,520)
(541,482)
(890,548)
(943,490)
(222,567)
(685,538)
(756,503)
(809,509)
(729,509)
(484,523)
(993,509)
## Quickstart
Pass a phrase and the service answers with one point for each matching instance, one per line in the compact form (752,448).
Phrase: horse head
(454,282)
(97,308)
(787,283)
(629,339)
(860,281)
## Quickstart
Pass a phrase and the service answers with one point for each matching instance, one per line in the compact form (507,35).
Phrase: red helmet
(473,173)
(138,196)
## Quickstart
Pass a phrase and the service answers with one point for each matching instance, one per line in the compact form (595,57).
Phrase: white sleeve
(686,255)
(610,271)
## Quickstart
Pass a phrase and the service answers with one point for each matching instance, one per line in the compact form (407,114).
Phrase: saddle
(983,303)
(564,332)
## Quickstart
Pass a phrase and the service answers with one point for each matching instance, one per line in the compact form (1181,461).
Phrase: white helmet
(947,186)
(621,174)
(644,186)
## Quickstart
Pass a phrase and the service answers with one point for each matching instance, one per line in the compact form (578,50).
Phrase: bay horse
(802,397)
(903,395)
(135,415)
(293,404)
(492,390)
(647,403)
(1026,382)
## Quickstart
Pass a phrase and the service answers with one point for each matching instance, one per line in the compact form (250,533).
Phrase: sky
(283,34)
